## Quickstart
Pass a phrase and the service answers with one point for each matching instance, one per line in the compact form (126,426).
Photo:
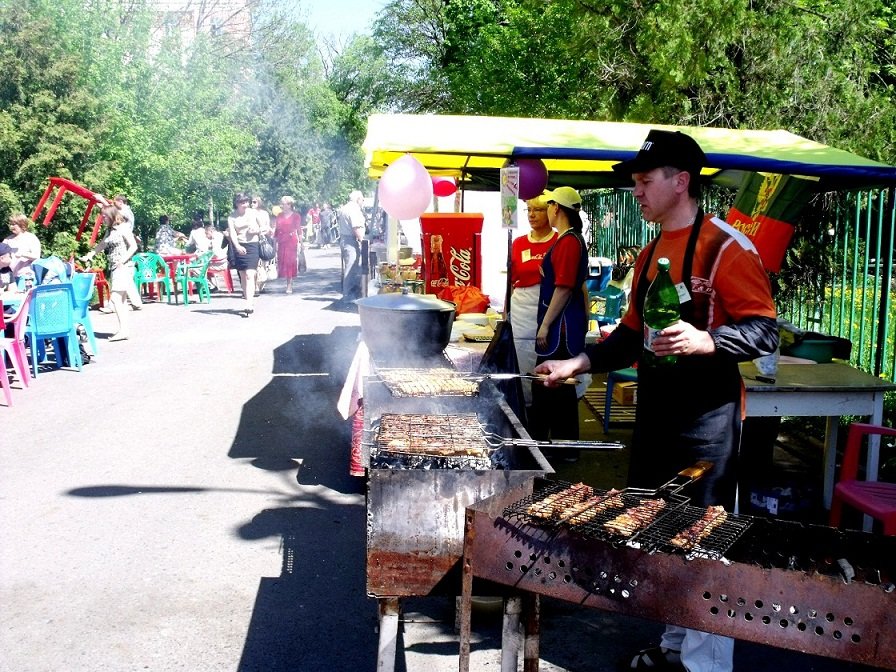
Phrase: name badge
(683,294)
(527,255)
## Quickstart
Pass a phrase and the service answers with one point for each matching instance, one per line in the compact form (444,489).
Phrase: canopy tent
(581,153)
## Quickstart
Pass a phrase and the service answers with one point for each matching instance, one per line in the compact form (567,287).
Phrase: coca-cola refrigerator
(452,253)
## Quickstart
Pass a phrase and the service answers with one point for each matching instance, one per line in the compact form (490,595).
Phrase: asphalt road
(184,503)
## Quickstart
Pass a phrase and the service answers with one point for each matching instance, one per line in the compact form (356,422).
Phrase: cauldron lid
(410,302)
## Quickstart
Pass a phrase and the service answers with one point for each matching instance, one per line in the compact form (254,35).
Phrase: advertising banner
(765,209)
(451,249)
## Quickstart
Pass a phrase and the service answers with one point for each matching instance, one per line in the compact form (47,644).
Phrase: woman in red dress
(288,232)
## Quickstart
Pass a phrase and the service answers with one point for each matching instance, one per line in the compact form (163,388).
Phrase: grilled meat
(592,507)
(425,434)
(553,505)
(428,383)
(636,518)
(692,536)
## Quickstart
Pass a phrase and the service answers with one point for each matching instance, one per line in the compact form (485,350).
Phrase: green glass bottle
(661,308)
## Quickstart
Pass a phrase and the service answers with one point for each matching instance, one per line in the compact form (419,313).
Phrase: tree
(813,68)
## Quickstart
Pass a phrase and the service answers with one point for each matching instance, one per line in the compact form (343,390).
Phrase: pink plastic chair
(15,348)
(873,498)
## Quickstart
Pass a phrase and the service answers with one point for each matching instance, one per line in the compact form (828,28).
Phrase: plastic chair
(82,286)
(102,286)
(15,348)
(224,273)
(613,377)
(195,273)
(151,269)
(51,269)
(606,306)
(52,316)
(873,498)
(100,283)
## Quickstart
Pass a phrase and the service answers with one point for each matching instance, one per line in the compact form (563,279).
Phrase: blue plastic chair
(82,286)
(613,377)
(52,316)
(50,270)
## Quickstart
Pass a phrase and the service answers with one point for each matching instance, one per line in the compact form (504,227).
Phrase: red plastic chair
(102,286)
(223,272)
(872,498)
(15,348)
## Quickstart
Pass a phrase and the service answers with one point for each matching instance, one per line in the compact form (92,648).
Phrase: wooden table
(821,390)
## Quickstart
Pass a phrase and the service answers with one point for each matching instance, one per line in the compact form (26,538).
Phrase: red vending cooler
(451,249)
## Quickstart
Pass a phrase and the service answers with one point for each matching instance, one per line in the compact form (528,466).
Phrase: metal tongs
(498,441)
(521,376)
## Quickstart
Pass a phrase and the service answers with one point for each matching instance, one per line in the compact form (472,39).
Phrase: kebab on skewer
(635,518)
(592,507)
(693,535)
(553,505)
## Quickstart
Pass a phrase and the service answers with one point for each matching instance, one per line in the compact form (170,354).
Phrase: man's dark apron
(689,411)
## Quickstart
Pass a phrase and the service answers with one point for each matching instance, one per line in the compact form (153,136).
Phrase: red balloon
(443,186)
(533,177)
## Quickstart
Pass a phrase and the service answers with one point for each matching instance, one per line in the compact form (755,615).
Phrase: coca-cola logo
(461,265)
(441,282)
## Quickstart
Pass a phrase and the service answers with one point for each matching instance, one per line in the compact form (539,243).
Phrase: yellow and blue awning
(581,153)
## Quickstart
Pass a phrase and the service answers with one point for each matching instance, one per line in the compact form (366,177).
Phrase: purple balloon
(533,177)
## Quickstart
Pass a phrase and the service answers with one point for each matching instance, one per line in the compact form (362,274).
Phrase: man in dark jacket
(690,410)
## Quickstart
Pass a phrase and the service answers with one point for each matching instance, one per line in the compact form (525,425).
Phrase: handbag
(303,264)
(266,250)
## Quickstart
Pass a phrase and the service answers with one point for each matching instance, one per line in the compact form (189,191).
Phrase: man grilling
(690,410)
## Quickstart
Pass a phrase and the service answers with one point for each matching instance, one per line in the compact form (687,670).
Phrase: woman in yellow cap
(562,316)
(525,276)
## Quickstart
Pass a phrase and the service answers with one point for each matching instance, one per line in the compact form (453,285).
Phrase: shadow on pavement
(294,416)
(315,616)
(316,610)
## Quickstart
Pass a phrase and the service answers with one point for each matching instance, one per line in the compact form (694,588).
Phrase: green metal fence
(838,275)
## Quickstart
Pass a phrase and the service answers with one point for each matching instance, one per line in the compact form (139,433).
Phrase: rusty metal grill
(805,587)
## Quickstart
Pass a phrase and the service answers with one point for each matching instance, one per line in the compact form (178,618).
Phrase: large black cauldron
(411,326)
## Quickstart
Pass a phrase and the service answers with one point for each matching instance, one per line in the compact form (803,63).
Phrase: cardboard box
(626,393)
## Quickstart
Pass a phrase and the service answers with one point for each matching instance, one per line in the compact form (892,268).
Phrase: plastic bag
(467,298)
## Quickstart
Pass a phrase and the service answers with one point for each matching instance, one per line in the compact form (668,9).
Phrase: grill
(676,516)
(417,382)
(416,503)
(804,587)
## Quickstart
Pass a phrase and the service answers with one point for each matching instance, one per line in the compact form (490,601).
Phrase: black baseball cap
(665,148)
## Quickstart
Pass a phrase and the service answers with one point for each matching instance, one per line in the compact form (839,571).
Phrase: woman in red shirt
(525,276)
(288,232)
(562,317)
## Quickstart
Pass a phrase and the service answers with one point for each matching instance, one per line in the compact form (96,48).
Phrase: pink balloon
(443,186)
(405,189)
(533,177)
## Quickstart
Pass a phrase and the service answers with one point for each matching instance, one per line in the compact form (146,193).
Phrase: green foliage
(814,67)
(117,96)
